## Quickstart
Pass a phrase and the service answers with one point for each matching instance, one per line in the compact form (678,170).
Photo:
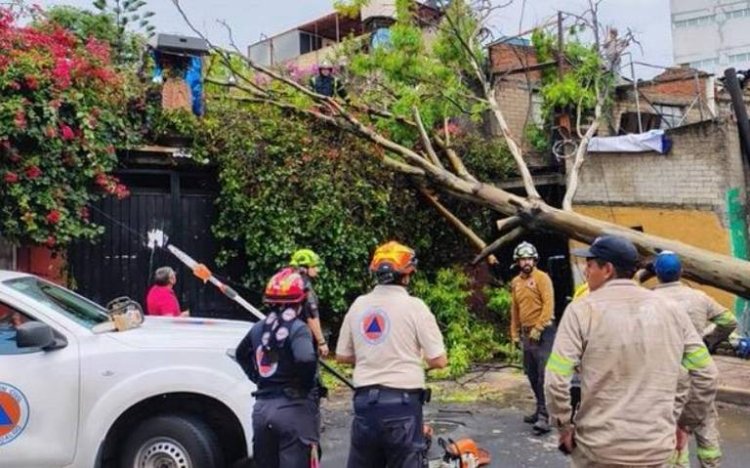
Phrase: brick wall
(505,57)
(513,98)
(704,163)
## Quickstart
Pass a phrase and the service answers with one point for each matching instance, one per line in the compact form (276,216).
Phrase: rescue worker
(279,356)
(531,322)
(325,83)
(703,311)
(631,344)
(307,264)
(388,335)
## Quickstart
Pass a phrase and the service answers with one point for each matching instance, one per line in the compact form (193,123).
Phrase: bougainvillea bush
(59,103)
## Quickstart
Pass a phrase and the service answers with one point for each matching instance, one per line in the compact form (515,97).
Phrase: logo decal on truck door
(14,413)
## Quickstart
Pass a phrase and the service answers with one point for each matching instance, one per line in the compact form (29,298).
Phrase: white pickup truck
(76,392)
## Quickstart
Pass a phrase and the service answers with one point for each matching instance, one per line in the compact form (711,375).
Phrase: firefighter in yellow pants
(703,311)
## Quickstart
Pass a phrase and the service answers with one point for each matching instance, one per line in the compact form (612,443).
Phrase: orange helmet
(394,258)
(285,287)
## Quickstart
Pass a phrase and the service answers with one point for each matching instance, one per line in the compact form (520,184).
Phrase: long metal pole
(637,97)
(202,272)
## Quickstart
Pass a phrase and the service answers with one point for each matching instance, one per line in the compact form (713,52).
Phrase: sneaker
(542,426)
(531,419)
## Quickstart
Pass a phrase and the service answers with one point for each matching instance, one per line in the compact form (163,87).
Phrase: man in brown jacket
(630,344)
(532,309)
(703,311)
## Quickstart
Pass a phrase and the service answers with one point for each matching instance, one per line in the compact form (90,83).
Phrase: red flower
(67,133)
(61,73)
(51,241)
(32,172)
(32,83)
(53,217)
(11,177)
(84,213)
(20,119)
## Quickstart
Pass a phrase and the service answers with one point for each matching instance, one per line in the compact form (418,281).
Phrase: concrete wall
(704,229)
(696,194)
(711,34)
(704,163)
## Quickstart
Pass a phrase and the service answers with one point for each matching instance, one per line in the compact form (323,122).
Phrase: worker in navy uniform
(390,336)
(278,354)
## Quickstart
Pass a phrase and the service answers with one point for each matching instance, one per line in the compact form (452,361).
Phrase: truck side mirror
(38,335)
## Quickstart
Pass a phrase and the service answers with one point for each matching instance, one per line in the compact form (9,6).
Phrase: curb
(735,396)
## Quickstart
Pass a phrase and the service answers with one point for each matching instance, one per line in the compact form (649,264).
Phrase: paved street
(501,431)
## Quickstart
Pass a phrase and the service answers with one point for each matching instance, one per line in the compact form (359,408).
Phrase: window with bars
(695,22)
(671,115)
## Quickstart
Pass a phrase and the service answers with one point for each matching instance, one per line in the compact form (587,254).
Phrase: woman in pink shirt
(161,298)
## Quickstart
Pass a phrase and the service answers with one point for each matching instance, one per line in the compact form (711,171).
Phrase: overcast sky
(649,19)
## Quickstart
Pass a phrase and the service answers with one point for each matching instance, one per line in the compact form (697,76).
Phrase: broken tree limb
(510,236)
(507,224)
(426,139)
(478,242)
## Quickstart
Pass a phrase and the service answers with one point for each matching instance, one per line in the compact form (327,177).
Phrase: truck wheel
(172,441)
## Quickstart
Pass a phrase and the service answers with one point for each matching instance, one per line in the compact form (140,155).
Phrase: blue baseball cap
(667,267)
(616,250)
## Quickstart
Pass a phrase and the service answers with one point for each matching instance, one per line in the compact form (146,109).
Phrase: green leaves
(468,340)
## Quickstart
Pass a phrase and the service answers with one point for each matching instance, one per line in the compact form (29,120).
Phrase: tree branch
(510,236)
(478,242)
(426,140)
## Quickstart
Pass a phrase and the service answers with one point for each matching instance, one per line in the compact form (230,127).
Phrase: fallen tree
(429,158)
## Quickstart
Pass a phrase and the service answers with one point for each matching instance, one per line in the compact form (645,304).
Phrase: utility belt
(381,393)
(291,393)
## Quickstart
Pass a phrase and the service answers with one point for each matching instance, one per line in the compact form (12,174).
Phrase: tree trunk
(710,268)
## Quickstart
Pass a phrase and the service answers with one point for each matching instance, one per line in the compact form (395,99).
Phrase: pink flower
(67,133)
(10,177)
(32,172)
(62,71)
(121,191)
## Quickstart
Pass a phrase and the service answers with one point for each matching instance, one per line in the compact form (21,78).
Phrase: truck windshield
(66,302)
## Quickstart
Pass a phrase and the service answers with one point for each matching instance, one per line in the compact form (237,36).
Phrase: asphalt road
(508,439)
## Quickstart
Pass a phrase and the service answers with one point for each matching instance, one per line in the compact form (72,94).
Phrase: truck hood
(185,333)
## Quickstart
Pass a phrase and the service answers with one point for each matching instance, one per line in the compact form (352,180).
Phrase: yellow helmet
(393,257)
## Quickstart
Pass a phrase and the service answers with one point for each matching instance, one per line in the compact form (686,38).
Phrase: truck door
(39,395)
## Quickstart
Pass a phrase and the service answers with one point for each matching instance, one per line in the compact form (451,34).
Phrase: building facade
(711,35)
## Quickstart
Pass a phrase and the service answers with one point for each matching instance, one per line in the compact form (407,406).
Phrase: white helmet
(525,250)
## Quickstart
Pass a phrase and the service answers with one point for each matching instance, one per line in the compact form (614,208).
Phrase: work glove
(535,334)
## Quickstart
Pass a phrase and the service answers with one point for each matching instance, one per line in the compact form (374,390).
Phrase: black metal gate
(120,263)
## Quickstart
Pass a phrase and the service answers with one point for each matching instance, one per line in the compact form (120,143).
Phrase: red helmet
(285,287)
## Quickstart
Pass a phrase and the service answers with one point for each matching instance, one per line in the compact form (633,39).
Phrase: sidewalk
(734,380)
